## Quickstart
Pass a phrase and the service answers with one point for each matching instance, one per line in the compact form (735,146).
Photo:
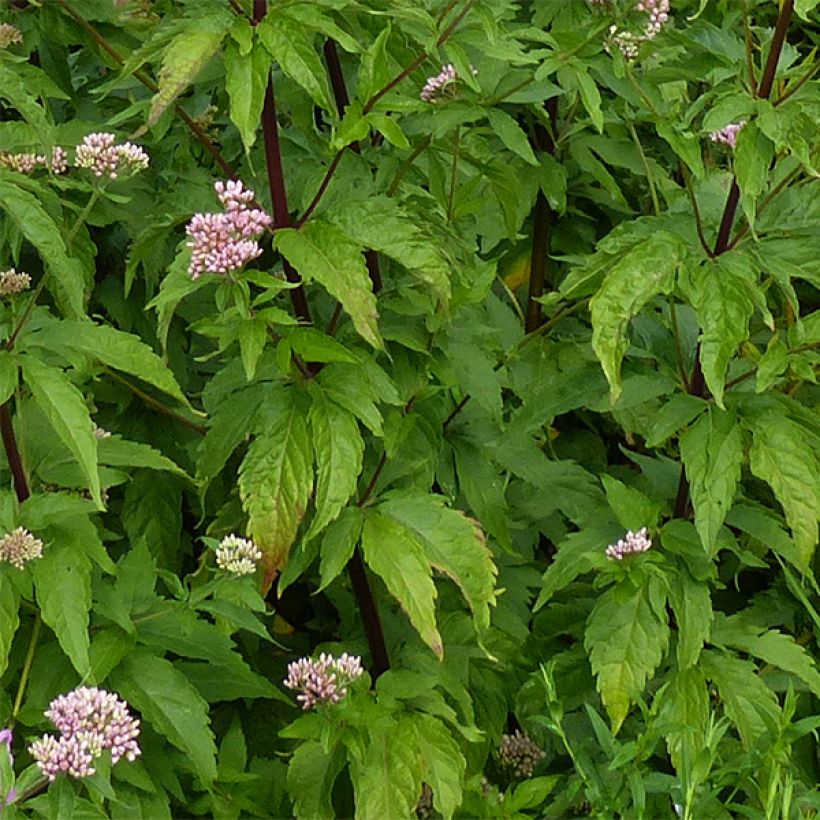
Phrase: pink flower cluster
(628,42)
(436,86)
(630,544)
(20,547)
(9,34)
(12,282)
(325,680)
(101,154)
(89,720)
(728,134)
(224,242)
(520,754)
(26,163)
(237,555)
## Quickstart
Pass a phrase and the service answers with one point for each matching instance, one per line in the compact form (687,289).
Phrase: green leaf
(685,144)
(65,409)
(644,272)
(246,77)
(510,133)
(685,711)
(749,703)
(275,482)
(590,96)
(692,605)
(315,346)
(780,457)
(253,336)
(9,617)
(626,637)
(186,55)
(397,554)
(8,376)
(804,8)
(291,45)
(322,252)
(338,449)
(631,507)
(752,158)
(388,128)
(681,409)
(338,543)
(442,761)
(62,579)
(312,771)
(387,780)
(231,679)
(453,544)
(721,298)
(122,351)
(31,219)
(712,454)
(115,451)
(171,705)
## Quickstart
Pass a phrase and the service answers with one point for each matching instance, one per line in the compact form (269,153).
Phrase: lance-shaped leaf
(692,605)
(187,54)
(781,457)
(685,711)
(338,447)
(647,270)
(453,544)
(9,618)
(626,637)
(62,578)
(396,553)
(322,252)
(246,77)
(721,298)
(712,454)
(33,222)
(275,482)
(171,705)
(65,409)
(312,771)
(122,351)
(443,763)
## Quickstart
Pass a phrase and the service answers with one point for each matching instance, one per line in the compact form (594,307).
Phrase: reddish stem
(18,472)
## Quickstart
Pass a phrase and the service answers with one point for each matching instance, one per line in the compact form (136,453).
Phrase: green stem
(649,176)
(405,166)
(451,198)
(24,676)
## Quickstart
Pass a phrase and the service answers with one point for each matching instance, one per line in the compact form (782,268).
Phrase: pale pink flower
(630,544)
(101,155)
(20,547)
(237,555)
(9,34)
(12,282)
(325,680)
(728,134)
(436,86)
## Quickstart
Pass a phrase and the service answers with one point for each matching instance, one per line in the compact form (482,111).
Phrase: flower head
(630,544)
(12,282)
(9,34)
(629,42)
(437,86)
(89,720)
(59,160)
(728,134)
(325,680)
(237,555)
(101,154)
(224,242)
(519,754)
(20,547)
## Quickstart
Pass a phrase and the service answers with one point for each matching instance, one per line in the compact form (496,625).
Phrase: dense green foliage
(488,333)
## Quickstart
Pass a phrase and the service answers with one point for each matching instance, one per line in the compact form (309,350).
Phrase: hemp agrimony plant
(409,409)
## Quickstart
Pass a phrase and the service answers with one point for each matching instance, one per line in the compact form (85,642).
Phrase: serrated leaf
(186,55)
(443,763)
(752,158)
(31,219)
(626,637)
(721,298)
(171,705)
(246,77)
(322,252)
(681,409)
(62,579)
(9,617)
(590,96)
(231,679)
(291,45)
(712,454)
(692,605)
(647,270)
(685,712)
(749,703)
(338,449)
(312,771)
(114,451)
(780,457)
(122,351)
(632,508)
(453,544)
(252,336)
(275,482)
(510,133)
(397,554)
(338,543)
(65,409)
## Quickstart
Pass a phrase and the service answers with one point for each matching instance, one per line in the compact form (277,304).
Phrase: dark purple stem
(18,473)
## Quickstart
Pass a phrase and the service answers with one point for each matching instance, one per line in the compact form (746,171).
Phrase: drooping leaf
(442,761)
(171,705)
(645,271)
(397,554)
(275,482)
(712,453)
(312,772)
(338,449)
(626,637)
(62,579)
(322,252)
(115,451)
(65,409)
